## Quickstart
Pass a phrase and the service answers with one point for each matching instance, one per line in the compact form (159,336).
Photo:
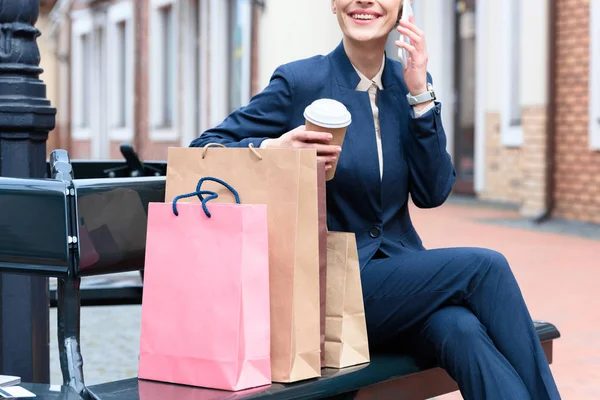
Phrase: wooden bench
(387,376)
(54,214)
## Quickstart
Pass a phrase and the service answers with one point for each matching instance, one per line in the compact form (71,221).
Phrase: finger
(322,149)
(311,136)
(408,47)
(416,39)
(328,160)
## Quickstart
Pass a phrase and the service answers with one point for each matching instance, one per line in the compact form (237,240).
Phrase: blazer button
(375,232)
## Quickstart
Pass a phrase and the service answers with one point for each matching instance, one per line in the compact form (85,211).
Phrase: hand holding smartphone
(407,11)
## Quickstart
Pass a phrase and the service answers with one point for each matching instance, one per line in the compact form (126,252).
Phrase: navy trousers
(463,307)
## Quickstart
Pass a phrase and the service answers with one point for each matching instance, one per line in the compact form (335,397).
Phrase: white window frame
(204,84)
(220,40)
(159,133)
(594,95)
(481,15)
(118,13)
(511,133)
(82,24)
(100,146)
(246,17)
(190,70)
(219,50)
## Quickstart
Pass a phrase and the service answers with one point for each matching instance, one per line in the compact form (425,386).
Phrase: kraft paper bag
(346,341)
(286,181)
(322,206)
(205,306)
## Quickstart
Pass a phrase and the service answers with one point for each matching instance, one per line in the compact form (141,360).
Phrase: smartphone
(407,11)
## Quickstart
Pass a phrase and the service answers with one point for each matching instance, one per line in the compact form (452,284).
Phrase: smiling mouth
(363,16)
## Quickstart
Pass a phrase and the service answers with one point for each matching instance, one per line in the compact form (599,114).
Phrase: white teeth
(363,16)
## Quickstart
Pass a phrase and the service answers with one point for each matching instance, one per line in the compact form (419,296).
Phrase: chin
(362,32)
(366,37)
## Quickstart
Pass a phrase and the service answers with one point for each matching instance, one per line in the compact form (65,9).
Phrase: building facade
(156,72)
(576,110)
(520,86)
(519,82)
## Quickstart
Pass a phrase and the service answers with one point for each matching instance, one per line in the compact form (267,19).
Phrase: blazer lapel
(360,138)
(345,75)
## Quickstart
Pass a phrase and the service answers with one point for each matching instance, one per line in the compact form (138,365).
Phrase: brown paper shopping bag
(322,206)
(346,341)
(286,181)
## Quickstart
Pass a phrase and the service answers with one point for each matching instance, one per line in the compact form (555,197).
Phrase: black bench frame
(399,374)
(50,209)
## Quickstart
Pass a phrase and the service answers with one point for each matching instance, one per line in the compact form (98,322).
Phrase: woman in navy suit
(462,306)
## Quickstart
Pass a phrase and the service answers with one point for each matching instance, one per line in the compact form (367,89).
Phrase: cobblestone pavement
(556,265)
(109,335)
(109,343)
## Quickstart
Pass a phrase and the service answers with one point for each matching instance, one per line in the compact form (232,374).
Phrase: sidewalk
(558,274)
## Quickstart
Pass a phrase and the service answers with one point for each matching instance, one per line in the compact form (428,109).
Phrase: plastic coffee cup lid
(328,113)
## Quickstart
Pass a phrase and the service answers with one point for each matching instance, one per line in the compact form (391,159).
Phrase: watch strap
(420,98)
(429,95)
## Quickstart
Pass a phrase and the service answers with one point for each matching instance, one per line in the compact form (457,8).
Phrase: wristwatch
(429,95)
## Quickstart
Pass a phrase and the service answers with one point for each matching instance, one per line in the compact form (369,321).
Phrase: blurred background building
(519,82)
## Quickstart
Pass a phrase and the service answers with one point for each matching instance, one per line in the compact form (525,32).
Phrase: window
(595,75)
(82,70)
(240,52)
(168,64)
(164,70)
(511,128)
(85,44)
(514,110)
(89,89)
(194,57)
(121,70)
(230,46)
(100,145)
(121,53)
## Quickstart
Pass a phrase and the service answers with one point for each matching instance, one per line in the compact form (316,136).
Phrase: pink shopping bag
(205,307)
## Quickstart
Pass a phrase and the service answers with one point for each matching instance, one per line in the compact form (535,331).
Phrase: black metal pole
(26,117)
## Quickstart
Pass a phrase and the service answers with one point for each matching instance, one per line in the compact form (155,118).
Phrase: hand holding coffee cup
(326,124)
(301,138)
(331,116)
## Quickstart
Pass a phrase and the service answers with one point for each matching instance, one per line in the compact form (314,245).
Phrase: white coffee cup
(328,115)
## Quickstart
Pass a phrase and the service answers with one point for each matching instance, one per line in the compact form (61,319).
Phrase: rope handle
(205,148)
(209,145)
(198,193)
(210,178)
(253,149)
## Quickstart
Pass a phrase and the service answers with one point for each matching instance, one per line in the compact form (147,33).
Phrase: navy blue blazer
(415,160)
